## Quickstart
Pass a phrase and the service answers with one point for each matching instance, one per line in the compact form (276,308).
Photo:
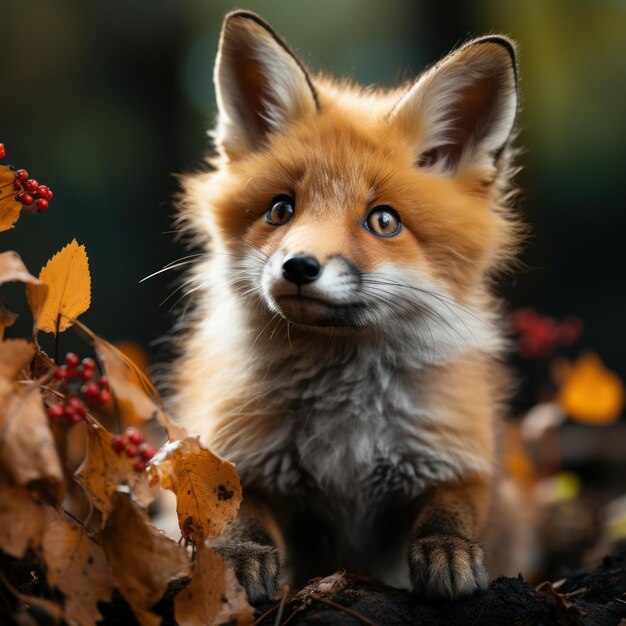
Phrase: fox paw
(444,567)
(255,565)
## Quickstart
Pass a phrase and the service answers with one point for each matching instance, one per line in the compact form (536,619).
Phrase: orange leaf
(77,566)
(12,269)
(103,470)
(69,284)
(9,207)
(21,520)
(144,560)
(214,596)
(592,393)
(208,493)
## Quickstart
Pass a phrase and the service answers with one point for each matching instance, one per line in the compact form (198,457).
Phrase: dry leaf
(77,566)
(208,492)
(214,596)
(69,285)
(21,520)
(592,393)
(103,470)
(12,269)
(9,207)
(7,319)
(143,559)
(15,355)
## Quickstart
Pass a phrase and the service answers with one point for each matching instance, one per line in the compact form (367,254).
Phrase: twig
(267,613)
(344,609)
(293,613)
(281,608)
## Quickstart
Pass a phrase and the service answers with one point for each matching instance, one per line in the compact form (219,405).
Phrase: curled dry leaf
(12,269)
(69,288)
(103,470)
(27,448)
(208,492)
(7,319)
(214,596)
(9,207)
(143,559)
(77,566)
(21,520)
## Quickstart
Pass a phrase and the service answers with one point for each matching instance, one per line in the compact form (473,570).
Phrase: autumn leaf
(591,393)
(7,319)
(77,566)
(21,520)
(69,284)
(103,470)
(144,560)
(208,493)
(27,448)
(9,207)
(12,269)
(214,596)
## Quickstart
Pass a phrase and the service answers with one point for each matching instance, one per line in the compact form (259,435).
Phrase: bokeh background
(105,100)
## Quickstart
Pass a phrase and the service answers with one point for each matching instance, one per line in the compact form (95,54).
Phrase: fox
(345,349)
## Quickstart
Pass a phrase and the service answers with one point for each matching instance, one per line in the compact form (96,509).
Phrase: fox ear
(260,84)
(461,112)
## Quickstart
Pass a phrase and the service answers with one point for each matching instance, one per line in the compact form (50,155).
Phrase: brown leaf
(208,492)
(132,388)
(77,566)
(7,319)
(214,596)
(27,449)
(9,207)
(69,288)
(143,559)
(12,269)
(103,470)
(21,520)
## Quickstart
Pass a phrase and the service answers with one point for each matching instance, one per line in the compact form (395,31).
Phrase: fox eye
(281,210)
(383,221)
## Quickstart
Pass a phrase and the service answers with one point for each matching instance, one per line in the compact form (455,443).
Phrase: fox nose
(301,269)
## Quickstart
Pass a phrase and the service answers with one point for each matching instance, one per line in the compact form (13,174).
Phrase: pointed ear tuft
(461,112)
(260,84)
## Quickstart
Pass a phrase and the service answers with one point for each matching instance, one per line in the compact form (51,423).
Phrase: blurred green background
(105,100)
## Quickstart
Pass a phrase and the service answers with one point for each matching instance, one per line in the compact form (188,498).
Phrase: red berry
(49,193)
(104,382)
(17,184)
(25,198)
(81,372)
(31,185)
(147,451)
(22,175)
(90,389)
(60,372)
(3,151)
(74,417)
(77,406)
(56,412)
(134,435)
(71,373)
(118,443)
(131,450)
(41,205)
(139,466)
(104,396)
(72,359)
(89,363)
(42,191)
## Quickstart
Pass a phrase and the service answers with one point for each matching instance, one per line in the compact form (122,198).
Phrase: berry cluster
(94,391)
(133,445)
(539,335)
(28,190)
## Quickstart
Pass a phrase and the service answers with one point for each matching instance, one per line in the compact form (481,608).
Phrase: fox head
(357,210)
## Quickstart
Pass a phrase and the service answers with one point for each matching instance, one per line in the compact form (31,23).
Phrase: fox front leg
(446,560)
(251,547)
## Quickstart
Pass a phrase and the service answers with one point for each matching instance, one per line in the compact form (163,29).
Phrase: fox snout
(301,269)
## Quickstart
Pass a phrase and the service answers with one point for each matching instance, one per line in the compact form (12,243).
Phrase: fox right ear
(260,85)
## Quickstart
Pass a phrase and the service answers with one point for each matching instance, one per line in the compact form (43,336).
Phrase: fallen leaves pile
(82,524)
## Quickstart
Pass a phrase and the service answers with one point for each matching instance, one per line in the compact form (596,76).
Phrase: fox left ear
(259,82)
(461,112)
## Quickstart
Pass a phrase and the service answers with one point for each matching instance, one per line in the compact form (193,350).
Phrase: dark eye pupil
(280,211)
(384,219)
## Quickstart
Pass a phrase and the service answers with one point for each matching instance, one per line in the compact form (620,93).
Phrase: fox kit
(345,349)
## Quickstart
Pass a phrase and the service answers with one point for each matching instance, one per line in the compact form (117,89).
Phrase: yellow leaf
(12,269)
(9,207)
(208,492)
(592,393)
(69,284)
(213,596)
